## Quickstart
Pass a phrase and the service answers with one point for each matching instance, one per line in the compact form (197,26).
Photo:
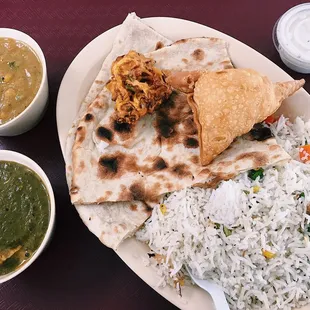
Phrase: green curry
(24,214)
(20,78)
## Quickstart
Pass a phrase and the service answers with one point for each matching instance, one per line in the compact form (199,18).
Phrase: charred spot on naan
(185,60)
(259,159)
(116,165)
(159,164)
(104,133)
(88,117)
(121,127)
(217,178)
(165,126)
(137,191)
(159,45)
(198,54)
(111,166)
(148,210)
(191,143)
(80,135)
(181,170)
(195,159)
(172,112)
(123,130)
(133,207)
(181,41)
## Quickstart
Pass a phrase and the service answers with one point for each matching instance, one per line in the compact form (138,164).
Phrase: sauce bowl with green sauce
(23,82)
(27,213)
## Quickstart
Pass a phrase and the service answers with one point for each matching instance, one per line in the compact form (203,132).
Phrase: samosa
(226,104)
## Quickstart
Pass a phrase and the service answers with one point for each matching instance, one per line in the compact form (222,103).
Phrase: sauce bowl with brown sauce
(23,82)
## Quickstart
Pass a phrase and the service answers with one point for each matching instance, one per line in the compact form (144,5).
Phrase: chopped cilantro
(227,231)
(217,225)
(255,173)
(301,195)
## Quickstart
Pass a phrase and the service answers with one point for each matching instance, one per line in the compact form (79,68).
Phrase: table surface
(76,271)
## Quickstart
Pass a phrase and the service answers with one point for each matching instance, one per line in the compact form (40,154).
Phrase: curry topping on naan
(137,87)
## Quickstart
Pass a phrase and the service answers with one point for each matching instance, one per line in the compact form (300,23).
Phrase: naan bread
(114,222)
(228,103)
(125,162)
(162,157)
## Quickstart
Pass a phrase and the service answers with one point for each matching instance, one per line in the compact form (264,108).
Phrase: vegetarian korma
(20,77)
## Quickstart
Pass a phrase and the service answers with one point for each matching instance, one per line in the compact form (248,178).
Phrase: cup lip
(38,51)
(6,155)
(281,46)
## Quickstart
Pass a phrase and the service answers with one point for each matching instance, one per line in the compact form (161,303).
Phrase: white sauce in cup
(291,36)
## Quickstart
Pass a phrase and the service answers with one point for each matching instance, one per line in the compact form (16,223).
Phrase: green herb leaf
(12,64)
(130,88)
(301,195)
(255,173)
(246,192)
(217,225)
(227,231)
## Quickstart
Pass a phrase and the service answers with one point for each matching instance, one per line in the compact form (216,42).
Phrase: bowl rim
(34,45)
(31,164)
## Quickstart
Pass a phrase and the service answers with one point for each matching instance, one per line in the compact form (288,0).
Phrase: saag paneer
(24,214)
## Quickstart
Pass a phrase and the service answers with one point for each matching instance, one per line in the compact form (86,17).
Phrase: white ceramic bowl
(34,112)
(26,161)
(291,38)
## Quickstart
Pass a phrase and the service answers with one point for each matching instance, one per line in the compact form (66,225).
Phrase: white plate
(82,73)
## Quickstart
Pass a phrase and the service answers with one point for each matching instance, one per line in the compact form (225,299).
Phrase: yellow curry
(20,77)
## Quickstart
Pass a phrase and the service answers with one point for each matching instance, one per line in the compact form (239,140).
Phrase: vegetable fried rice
(250,235)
